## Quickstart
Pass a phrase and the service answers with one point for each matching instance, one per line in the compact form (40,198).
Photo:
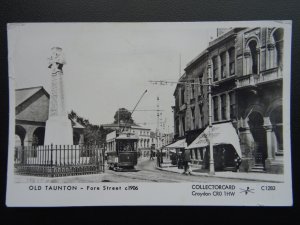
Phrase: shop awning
(223,133)
(178,144)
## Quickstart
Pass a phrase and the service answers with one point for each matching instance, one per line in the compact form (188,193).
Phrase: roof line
(19,89)
(40,88)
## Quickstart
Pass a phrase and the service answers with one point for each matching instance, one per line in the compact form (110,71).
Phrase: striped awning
(178,144)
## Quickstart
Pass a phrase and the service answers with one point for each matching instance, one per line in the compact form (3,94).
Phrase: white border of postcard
(223,194)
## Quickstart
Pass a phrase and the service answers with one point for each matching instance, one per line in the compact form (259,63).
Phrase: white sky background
(109,64)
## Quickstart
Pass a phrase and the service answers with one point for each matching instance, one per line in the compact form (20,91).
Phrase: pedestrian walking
(151,155)
(158,158)
(186,161)
(180,160)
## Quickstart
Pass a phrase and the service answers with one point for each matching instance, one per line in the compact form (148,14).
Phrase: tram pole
(210,134)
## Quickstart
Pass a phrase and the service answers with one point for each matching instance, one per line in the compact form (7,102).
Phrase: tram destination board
(165,113)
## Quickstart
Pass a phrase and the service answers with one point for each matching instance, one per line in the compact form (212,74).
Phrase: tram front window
(126,146)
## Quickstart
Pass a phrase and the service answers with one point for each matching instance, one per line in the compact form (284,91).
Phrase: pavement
(251,176)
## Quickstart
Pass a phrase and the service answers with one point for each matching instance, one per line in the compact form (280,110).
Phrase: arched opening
(278,42)
(276,120)
(38,136)
(258,132)
(229,156)
(21,133)
(253,46)
(76,138)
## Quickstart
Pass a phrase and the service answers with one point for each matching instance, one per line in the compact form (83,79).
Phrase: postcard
(149,113)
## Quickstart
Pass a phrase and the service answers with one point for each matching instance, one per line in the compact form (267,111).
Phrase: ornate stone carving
(271,46)
(247,53)
(56,60)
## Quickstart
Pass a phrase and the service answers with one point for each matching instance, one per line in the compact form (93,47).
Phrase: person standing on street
(158,158)
(186,161)
(151,154)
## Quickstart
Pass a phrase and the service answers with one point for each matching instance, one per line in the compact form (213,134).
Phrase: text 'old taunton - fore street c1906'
(147,103)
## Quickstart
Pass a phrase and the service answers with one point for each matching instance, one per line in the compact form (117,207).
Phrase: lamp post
(210,138)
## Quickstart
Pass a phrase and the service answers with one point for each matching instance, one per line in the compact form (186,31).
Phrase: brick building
(246,68)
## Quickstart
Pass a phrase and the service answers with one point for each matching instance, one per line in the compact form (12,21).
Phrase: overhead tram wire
(134,109)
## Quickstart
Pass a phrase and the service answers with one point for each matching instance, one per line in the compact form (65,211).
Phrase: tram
(121,149)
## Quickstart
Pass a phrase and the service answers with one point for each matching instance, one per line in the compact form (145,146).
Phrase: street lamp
(210,138)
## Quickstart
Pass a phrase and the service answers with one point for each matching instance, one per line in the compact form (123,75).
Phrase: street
(145,171)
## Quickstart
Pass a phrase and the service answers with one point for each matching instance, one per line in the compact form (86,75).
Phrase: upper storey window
(223,65)
(192,89)
(182,96)
(215,68)
(254,59)
(216,108)
(278,46)
(231,53)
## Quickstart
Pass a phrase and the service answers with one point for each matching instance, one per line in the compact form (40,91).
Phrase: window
(183,124)
(177,101)
(201,114)
(278,41)
(200,86)
(193,117)
(176,127)
(253,50)
(192,89)
(215,100)
(232,105)
(223,65)
(215,68)
(182,96)
(223,105)
(231,61)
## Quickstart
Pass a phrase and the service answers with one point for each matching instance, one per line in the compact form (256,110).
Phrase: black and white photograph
(197,110)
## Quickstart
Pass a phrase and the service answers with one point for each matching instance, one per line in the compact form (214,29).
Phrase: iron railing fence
(58,160)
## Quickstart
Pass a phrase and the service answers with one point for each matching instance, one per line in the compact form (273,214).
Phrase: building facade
(31,113)
(246,69)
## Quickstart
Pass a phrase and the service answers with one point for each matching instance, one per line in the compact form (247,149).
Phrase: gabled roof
(25,93)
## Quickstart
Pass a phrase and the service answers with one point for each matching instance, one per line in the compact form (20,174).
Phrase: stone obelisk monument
(58,126)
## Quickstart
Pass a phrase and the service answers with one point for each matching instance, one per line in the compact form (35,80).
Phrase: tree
(93,134)
(123,116)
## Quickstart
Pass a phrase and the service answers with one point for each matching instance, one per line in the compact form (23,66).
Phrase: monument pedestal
(58,131)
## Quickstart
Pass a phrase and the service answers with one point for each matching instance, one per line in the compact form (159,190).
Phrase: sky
(109,65)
